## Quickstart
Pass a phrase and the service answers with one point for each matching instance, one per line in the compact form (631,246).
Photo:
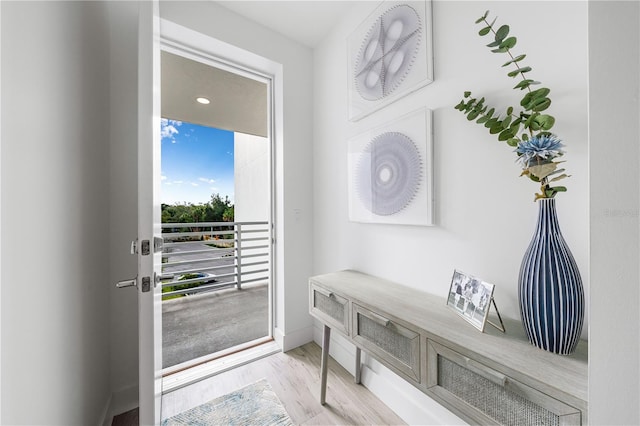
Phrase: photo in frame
(390,172)
(471,298)
(390,55)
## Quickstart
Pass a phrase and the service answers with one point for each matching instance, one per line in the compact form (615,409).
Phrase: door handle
(127,283)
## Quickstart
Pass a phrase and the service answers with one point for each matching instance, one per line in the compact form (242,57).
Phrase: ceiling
(306,21)
(238,103)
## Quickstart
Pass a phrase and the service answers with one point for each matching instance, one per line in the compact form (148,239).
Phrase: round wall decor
(388,173)
(387,52)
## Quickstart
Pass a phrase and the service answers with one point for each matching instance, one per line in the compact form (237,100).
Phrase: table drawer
(329,308)
(393,344)
(483,395)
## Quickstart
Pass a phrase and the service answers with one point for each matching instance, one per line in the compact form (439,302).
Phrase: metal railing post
(239,256)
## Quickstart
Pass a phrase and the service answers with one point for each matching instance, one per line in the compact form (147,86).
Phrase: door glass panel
(216,259)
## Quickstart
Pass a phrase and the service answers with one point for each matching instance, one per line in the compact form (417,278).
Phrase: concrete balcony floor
(205,323)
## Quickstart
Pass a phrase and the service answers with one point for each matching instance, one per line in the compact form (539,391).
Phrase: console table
(484,378)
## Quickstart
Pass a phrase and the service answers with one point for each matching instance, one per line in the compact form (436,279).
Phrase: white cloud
(194,184)
(168,129)
(163,177)
(209,181)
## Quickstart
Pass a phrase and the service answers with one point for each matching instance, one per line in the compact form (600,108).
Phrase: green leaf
(509,110)
(505,135)
(525,83)
(490,123)
(534,126)
(514,60)
(526,99)
(496,128)
(483,17)
(484,31)
(506,121)
(467,94)
(473,115)
(508,43)
(502,32)
(500,50)
(513,142)
(541,104)
(494,43)
(559,188)
(482,119)
(540,93)
(519,71)
(535,103)
(491,112)
(546,121)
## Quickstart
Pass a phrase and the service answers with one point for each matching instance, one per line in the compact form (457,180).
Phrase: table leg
(326,338)
(358,365)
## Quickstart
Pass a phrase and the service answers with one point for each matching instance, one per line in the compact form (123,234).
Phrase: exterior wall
(251,187)
(55,213)
(484,212)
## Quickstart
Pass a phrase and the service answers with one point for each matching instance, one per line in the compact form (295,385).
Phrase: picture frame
(390,172)
(390,54)
(471,298)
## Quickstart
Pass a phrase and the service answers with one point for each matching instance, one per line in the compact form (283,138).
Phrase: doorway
(216,209)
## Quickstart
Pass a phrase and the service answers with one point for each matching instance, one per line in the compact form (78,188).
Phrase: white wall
(484,211)
(293,161)
(55,213)
(614,152)
(251,163)
(123,204)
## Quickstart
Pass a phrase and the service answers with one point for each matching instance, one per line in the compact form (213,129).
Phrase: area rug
(255,404)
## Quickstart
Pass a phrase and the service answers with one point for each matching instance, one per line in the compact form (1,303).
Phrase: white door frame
(198,46)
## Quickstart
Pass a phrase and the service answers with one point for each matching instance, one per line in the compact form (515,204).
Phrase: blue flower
(539,149)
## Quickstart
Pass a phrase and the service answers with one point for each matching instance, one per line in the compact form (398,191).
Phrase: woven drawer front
(505,407)
(386,338)
(330,306)
(395,345)
(483,395)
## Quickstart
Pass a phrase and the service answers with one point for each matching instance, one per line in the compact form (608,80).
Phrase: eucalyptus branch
(528,127)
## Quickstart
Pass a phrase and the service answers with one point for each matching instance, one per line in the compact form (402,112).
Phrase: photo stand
(501,326)
(471,298)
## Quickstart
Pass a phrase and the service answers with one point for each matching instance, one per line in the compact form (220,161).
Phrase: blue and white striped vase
(550,289)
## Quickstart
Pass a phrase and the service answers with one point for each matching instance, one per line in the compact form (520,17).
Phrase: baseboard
(409,403)
(120,402)
(293,339)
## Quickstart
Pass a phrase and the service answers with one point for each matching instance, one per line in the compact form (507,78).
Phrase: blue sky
(197,161)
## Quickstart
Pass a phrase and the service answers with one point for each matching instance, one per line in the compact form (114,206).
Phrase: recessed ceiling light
(203,101)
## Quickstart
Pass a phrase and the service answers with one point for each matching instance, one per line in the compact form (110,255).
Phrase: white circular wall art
(388,51)
(388,173)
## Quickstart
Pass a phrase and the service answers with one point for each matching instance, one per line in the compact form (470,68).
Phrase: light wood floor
(295,378)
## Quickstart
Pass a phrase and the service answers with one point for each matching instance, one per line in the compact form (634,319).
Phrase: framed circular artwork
(390,172)
(389,56)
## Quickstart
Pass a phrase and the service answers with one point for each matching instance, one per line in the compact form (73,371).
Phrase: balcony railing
(207,256)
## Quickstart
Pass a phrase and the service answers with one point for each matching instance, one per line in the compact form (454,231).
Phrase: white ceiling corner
(305,21)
